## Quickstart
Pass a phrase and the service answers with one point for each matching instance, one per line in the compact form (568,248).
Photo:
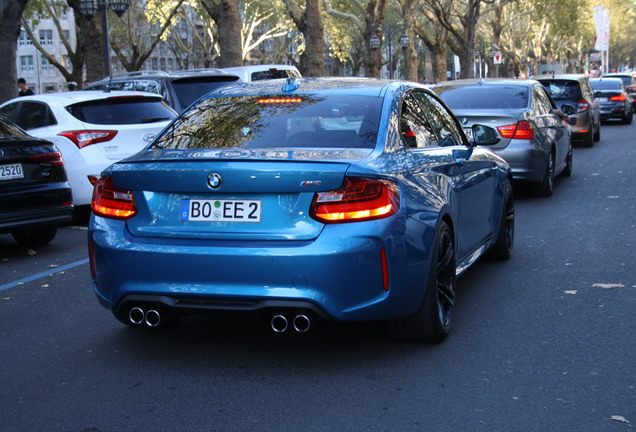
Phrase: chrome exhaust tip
(153,318)
(136,315)
(279,323)
(302,323)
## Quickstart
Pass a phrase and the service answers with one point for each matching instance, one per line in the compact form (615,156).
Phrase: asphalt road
(543,342)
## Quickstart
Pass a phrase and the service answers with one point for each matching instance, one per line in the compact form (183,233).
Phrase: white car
(92,129)
(262,72)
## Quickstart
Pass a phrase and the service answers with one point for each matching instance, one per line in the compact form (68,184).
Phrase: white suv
(92,129)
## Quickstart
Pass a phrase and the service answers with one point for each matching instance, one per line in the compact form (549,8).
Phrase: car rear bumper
(33,218)
(338,276)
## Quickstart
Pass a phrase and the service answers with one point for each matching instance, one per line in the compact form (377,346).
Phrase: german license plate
(469,133)
(210,210)
(602,99)
(11,171)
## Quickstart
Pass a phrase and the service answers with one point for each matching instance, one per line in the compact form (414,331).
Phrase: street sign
(497,57)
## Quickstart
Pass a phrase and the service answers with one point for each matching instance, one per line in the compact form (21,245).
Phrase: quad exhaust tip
(300,323)
(151,317)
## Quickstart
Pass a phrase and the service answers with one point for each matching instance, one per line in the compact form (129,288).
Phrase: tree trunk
(314,58)
(228,21)
(410,54)
(374,18)
(10,13)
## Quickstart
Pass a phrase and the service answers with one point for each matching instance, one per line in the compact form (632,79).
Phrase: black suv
(178,89)
(629,81)
(576,91)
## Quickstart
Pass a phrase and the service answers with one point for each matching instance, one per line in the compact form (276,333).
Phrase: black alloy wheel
(502,249)
(432,322)
(546,187)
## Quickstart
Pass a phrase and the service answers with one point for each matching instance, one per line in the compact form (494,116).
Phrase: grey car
(613,98)
(629,81)
(575,90)
(534,139)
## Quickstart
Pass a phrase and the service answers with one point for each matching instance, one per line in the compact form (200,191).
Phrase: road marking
(43,274)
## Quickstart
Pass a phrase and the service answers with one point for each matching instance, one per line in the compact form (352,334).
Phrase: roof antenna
(291,84)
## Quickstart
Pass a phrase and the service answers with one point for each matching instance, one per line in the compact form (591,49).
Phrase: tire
(432,322)
(588,140)
(546,187)
(36,236)
(567,171)
(597,134)
(502,249)
(628,119)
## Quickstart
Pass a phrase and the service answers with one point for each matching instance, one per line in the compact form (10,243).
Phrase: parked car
(347,199)
(576,90)
(534,140)
(179,89)
(92,129)
(262,72)
(629,81)
(613,99)
(35,196)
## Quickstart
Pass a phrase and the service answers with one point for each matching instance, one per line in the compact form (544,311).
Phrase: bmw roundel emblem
(464,120)
(215,180)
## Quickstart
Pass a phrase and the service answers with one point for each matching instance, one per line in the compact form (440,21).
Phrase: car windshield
(150,86)
(484,96)
(8,129)
(627,80)
(192,88)
(607,84)
(563,89)
(122,111)
(277,121)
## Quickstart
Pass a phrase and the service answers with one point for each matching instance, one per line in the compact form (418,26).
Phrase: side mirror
(484,135)
(568,109)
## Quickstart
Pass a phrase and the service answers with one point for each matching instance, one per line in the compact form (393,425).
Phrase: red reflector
(83,138)
(620,97)
(112,202)
(359,199)
(521,130)
(279,100)
(385,270)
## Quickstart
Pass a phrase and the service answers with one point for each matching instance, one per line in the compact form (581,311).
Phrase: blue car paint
(335,266)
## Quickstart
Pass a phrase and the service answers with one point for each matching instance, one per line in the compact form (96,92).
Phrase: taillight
(618,98)
(55,159)
(583,106)
(359,199)
(112,202)
(83,138)
(521,130)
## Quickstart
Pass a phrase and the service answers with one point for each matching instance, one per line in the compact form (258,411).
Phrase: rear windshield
(150,86)
(304,121)
(273,74)
(569,90)
(607,84)
(484,96)
(8,129)
(189,90)
(627,80)
(122,111)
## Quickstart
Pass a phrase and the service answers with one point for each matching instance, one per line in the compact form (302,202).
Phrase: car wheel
(502,249)
(567,171)
(36,236)
(628,118)
(432,322)
(597,134)
(546,187)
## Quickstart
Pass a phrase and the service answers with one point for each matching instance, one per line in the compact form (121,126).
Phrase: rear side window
(34,115)
(122,111)
(484,96)
(189,90)
(559,89)
(298,121)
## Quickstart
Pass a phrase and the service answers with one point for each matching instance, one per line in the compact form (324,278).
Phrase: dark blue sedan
(302,200)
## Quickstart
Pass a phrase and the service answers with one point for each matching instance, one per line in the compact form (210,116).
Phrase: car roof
(68,98)
(572,77)
(487,81)
(323,85)
(618,74)
(162,76)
